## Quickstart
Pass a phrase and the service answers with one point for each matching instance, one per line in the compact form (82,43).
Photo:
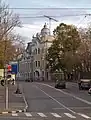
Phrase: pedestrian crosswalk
(48,115)
(85,116)
(42,114)
(55,115)
(28,114)
(69,115)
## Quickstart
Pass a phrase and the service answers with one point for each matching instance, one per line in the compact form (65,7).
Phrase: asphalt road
(46,102)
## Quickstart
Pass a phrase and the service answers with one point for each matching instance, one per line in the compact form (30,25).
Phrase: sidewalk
(16,102)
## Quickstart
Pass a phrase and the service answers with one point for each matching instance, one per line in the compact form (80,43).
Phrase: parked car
(84,84)
(60,84)
(85,80)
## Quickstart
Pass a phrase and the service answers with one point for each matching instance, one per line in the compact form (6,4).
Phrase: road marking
(26,104)
(14,114)
(78,98)
(42,115)
(85,116)
(69,115)
(56,115)
(28,114)
(55,100)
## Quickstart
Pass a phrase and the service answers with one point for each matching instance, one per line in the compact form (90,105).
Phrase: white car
(10,79)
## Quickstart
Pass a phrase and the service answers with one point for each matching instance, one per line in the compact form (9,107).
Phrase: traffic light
(9,68)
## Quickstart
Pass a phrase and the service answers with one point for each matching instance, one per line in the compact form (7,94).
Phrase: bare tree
(9,42)
(8,20)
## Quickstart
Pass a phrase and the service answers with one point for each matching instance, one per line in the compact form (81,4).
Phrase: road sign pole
(6,96)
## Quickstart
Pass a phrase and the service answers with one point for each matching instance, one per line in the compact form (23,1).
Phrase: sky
(33,25)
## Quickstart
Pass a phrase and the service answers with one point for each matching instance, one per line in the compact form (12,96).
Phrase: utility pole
(5,80)
(50,19)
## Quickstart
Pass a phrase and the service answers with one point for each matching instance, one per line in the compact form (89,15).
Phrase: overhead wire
(60,16)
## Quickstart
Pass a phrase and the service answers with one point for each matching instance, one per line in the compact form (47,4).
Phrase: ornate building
(33,63)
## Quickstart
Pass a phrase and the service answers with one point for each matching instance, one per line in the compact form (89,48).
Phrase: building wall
(25,69)
(39,63)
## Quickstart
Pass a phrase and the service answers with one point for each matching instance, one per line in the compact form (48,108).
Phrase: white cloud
(28,30)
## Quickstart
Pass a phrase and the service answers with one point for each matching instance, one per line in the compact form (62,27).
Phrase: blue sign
(14,68)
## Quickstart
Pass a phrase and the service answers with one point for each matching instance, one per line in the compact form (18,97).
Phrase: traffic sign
(14,68)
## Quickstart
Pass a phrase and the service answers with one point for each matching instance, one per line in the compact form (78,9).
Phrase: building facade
(33,62)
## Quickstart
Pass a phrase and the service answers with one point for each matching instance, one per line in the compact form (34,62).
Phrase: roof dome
(45,30)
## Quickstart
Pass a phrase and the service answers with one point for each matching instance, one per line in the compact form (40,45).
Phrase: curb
(17,111)
(25,101)
(14,111)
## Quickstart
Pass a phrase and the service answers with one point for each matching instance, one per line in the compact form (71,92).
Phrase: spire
(45,25)
(45,30)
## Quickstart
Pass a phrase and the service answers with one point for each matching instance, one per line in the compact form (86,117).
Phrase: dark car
(84,84)
(60,84)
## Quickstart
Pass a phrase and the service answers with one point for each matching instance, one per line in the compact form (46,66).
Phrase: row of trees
(10,44)
(70,50)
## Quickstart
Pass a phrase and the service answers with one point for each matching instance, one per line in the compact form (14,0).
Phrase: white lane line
(56,115)
(69,115)
(78,98)
(41,114)
(14,114)
(55,100)
(85,116)
(28,114)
